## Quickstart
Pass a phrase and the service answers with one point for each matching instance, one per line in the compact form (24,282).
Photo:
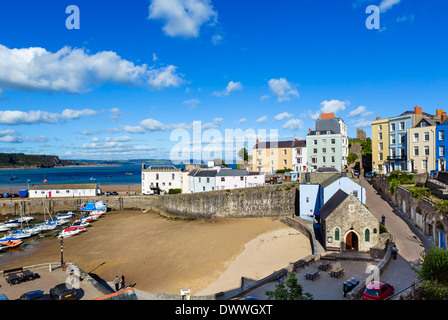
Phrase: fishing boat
(71,231)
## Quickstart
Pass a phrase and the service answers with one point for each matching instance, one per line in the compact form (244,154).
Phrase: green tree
(243,154)
(434,269)
(352,157)
(290,290)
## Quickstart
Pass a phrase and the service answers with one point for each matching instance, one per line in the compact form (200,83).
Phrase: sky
(149,79)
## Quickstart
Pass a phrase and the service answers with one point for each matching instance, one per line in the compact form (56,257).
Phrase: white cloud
(192,103)
(37,139)
(282,89)
(133,129)
(10,136)
(264,97)
(294,124)
(231,87)
(262,119)
(76,71)
(154,57)
(361,123)
(242,120)
(115,114)
(14,117)
(332,106)
(387,4)
(153,125)
(282,116)
(183,18)
(216,39)
(360,111)
(118,139)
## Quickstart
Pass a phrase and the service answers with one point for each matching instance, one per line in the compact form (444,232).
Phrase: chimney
(443,116)
(439,112)
(327,115)
(418,110)
(378,118)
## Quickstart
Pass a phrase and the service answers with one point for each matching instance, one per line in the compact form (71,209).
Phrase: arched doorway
(351,242)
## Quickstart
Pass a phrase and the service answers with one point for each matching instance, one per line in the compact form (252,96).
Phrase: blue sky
(137,71)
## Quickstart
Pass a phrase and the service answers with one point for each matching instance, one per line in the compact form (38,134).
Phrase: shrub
(290,290)
(175,191)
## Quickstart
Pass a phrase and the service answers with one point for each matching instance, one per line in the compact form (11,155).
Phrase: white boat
(71,231)
(66,215)
(4,227)
(46,226)
(80,223)
(20,234)
(25,219)
(13,223)
(3,247)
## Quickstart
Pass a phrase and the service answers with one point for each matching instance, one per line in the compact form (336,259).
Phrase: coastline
(122,189)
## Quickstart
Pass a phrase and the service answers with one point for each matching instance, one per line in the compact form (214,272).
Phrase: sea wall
(265,201)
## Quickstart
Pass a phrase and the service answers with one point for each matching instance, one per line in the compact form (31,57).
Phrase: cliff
(20,160)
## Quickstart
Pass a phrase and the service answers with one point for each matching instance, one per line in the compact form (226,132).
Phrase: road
(410,241)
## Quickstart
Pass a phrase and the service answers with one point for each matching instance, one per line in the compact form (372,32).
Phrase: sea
(128,174)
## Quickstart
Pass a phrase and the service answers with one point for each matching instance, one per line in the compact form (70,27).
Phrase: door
(351,242)
(442,242)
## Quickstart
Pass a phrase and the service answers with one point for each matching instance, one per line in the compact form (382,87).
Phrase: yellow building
(269,157)
(422,146)
(380,144)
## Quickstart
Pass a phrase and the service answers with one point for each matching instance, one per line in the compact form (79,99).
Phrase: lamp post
(62,253)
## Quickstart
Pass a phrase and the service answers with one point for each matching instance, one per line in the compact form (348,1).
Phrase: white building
(160,179)
(299,156)
(202,180)
(64,190)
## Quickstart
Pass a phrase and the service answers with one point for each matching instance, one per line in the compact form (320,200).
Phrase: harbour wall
(265,201)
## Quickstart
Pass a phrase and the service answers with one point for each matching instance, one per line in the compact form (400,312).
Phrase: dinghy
(71,231)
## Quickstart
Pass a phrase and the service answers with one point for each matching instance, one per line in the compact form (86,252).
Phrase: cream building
(268,157)
(422,146)
(380,144)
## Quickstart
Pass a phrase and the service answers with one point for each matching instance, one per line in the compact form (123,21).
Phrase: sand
(162,255)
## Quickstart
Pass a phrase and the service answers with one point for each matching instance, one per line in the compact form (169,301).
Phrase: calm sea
(104,175)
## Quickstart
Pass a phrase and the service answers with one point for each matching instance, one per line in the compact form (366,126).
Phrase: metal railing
(415,291)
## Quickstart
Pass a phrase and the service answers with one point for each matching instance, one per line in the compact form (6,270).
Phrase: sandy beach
(122,189)
(162,255)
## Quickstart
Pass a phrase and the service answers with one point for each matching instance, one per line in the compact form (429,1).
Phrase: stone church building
(347,225)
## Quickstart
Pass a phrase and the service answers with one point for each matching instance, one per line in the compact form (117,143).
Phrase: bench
(9,271)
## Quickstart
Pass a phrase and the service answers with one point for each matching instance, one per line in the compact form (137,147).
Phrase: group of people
(119,283)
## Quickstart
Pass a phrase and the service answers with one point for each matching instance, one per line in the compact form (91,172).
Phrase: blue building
(398,126)
(441,145)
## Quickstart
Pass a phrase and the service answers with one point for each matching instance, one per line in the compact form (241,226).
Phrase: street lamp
(62,253)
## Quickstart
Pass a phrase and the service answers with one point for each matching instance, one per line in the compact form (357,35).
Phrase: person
(116,281)
(394,252)
(122,282)
(383,220)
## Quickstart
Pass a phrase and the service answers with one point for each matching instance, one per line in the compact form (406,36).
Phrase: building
(160,179)
(234,179)
(390,139)
(299,156)
(441,143)
(317,188)
(64,190)
(422,146)
(202,180)
(327,145)
(268,157)
(347,225)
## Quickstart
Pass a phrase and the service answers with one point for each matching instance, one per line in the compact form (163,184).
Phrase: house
(268,157)
(160,179)
(64,190)
(299,156)
(327,145)
(380,144)
(422,146)
(441,143)
(202,180)
(347,225)
(317,188)
(237,178)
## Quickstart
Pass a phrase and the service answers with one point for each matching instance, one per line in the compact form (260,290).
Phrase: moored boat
(4,227)
(11,242)
(71,231)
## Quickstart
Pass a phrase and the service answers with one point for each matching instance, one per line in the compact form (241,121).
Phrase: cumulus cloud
(132,129)
(153,125)
(183,18)
(231,87)
(361,123)
(115,114)
(360,111)
(387,4)
(262,119)
(10,136)
(332,106)
(282,116)
(282,89)
(77,71)
(192,103)
(294,124)
(15,117)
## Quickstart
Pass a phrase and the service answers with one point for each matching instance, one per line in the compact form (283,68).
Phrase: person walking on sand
(116,281)
(122,282)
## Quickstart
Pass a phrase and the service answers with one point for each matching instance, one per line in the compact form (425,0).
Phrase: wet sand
(162,255)
(122,189)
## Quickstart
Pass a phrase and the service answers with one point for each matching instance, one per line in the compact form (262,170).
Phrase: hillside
(21,160)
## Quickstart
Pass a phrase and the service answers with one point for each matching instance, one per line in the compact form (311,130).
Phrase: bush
(290,290)
(435,269)
(175,191)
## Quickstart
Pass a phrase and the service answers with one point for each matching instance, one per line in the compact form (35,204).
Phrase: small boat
(25,219)
(67,215)
(11,242)
(4,227)
(92,178)
(71,231)
(20,234)
(3,247)
(13,178)
(80,223)
(46,226)
(129,174)
(13,223)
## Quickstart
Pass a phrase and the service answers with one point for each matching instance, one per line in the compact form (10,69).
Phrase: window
(241,178)
(392,127)
(367,235)
(351,207)
(333,141)
(285,161)
(441,135)
(333,159)
(314,150)
(425,164)
(415,151)
(259,152)
(203,188)
(380,127)
(415,137)
(324,141)
(333,150)
(323,159)
(173,176)
(426,150)
(426,136)
(380,157)
(380,136)
(284,151)
(337,234)
(157,176)
(324,150)
(441,151)
(392,139)
(315,142)
(401,125)
(401,136)
(223,179)
(355,193)
(208,180)
(307,199)
(380,146)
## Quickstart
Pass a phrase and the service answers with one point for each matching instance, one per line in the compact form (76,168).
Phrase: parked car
(61,292)
(369,174)
(33,295)
(114,193)
(14,195)
(108,193)
(6,195)
(377,290)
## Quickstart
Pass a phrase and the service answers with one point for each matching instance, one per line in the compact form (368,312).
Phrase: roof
(164,168)
(231,173)
(193,172)
(299,143)
(206,173)
(274,144)
(321,132)
(330,180)
(64,186)
(332,204)
(430,122)
(326,169)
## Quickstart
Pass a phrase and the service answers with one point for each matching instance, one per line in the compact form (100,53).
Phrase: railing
(415,291)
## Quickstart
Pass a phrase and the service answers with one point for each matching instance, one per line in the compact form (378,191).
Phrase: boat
(92,178)
(11,242)
(80,223)
(3,247)
(13,223)
(67,215)
(129,174)
(20,234)
(4,227)
(13,178)
(91,206)
(46,226)
(71,231)
(59,221)
(25,219)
